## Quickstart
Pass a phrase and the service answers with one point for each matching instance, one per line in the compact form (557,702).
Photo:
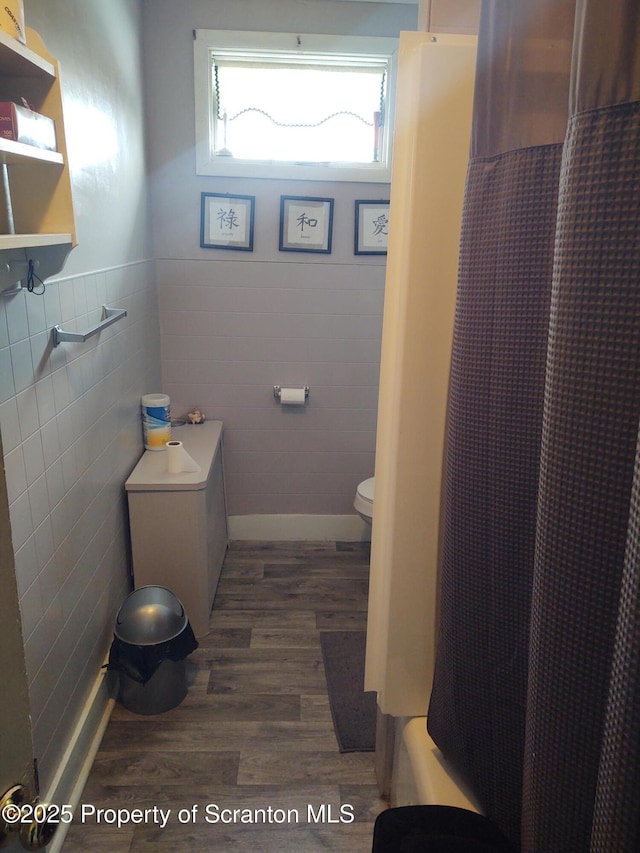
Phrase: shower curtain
(536,694)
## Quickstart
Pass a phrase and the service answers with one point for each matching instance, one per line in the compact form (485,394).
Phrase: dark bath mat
(353,710)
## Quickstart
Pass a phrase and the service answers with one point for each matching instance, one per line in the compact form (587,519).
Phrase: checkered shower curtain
(536,695)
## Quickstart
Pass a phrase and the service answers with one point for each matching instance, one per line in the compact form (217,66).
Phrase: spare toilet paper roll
(178,460)
(292,396)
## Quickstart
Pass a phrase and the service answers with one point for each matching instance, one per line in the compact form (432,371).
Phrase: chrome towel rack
(109,317)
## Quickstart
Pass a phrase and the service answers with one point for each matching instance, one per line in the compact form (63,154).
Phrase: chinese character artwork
(380,225)
(305,221)
(227,221)
(371,227)
(305,224)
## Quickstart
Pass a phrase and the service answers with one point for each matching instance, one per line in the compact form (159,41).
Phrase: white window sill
(277,170)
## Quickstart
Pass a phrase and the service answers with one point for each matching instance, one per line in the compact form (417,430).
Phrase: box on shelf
(12,19)
(25,125)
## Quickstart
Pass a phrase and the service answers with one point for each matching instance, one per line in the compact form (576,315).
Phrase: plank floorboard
(341,620)
(295,838)
(136,767)
(262,618)
(224,736)
(223,706)
(282,587)
(315,707)
(271,767)
(270,638)
(270,659)
(292,601)
(339,570)
(292,678)
(233,638)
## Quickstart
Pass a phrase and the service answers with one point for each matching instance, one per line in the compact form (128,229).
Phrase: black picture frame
(371,232)
(220,214)
(299,217)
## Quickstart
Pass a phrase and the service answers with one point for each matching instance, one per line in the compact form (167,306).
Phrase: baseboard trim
(68,784)
(290,528)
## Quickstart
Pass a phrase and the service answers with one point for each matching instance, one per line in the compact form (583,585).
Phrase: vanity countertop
(201,441)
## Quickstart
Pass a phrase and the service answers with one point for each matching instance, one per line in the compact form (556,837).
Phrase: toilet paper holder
(278,388)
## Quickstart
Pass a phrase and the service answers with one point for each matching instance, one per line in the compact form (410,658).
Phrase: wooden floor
(254,733)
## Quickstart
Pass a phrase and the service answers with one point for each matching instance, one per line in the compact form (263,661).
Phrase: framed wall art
(226,221)
(306,224)
(371,228)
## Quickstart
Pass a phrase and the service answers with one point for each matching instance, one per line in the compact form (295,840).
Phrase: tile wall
(231,330)
(70,421)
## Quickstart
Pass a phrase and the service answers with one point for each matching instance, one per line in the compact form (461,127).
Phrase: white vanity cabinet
(179,521)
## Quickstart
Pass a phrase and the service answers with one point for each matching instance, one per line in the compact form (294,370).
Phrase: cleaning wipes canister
(156,421)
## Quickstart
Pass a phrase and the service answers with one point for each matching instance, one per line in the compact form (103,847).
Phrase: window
(293,106)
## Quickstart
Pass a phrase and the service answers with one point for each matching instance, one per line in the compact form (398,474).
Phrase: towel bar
(109,316)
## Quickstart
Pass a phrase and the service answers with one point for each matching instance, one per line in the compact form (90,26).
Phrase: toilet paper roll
(178,460)
(292,396)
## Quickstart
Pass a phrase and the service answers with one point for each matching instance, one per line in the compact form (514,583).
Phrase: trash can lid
(150,615)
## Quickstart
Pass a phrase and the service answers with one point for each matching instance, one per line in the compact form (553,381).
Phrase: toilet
(363,502)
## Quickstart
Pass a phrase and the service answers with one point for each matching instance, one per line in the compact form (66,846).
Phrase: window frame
(207,41)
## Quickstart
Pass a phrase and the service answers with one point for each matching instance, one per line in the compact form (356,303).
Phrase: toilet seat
(363,502)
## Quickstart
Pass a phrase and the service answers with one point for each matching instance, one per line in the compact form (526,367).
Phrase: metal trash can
(152,638)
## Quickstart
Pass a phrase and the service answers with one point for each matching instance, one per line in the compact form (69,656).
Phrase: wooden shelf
(17,60)
(35,196)
(17,153)
(25,241)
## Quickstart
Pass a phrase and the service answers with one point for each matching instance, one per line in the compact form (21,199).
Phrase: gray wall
(70,416)
(235,324)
